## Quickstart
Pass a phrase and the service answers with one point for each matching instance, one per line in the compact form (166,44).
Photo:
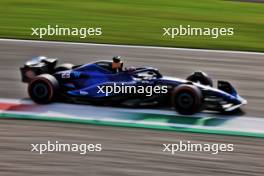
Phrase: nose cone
(241,100)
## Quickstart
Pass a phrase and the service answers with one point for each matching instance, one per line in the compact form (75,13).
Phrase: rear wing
(36,66)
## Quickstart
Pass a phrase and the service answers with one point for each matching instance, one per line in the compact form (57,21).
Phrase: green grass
(138,22)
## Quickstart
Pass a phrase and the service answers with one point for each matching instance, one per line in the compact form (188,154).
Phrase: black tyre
(200,77)
(187,99)
(64,67)
(42,89)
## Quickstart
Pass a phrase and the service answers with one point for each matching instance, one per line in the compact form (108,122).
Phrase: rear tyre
(187,99)
(64,67)
(200,77)
(43,88)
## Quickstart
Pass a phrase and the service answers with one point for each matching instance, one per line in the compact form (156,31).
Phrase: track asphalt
(129,151)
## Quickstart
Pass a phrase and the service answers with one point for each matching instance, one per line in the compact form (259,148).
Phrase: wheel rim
(185,100)
(40,90)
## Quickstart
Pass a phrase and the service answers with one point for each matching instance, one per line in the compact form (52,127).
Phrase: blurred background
(139,22)
(133,151)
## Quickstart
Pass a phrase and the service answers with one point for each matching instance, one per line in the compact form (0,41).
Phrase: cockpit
(146,74)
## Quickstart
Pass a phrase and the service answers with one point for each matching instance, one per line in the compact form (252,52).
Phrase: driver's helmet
(117,64)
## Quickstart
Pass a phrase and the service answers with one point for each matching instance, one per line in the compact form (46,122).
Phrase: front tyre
(200,77)
(42,89)
(187,99)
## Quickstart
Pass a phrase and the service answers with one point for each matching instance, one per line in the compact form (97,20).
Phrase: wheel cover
(185,100)
(41,90)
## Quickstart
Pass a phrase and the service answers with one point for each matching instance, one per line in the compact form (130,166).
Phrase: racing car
(49,82)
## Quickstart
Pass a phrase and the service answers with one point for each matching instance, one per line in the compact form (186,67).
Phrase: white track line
(130,46)
(108,114)
(82,109)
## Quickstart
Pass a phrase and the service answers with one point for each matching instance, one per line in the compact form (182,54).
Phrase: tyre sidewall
(189,91)
(46,84)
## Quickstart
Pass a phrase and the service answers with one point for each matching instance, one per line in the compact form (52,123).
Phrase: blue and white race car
(102,84)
